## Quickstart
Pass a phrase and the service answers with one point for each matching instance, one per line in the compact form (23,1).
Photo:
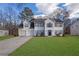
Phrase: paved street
(9,45)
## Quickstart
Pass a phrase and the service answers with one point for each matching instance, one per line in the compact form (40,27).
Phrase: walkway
(9,45)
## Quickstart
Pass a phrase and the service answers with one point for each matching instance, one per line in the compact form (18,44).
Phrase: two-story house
(43,26)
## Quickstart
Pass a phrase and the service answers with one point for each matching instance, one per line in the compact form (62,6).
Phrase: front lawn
(5,37)
(50,46)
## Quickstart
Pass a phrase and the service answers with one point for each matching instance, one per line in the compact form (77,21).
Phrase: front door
(49,32)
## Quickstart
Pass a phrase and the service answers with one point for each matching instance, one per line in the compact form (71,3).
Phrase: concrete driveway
(9,45)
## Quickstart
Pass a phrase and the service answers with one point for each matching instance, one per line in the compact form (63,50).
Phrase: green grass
(49,46)
(5,37)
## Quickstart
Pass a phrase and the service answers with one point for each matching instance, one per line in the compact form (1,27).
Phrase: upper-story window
(49,24)
(58,24)
(39,24)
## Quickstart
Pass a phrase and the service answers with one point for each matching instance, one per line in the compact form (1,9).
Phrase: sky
(39,8)
(42,8)
(19,7)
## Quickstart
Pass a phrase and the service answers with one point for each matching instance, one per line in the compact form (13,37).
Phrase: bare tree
(60,14)
(3,19)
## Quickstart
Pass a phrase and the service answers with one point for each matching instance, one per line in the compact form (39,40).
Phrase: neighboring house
(3,31)
(74,28)
(43,26)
